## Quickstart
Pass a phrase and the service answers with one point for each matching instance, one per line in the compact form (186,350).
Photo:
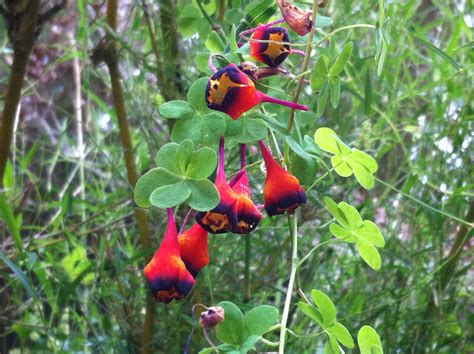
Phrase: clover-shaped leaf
(369,341)
(325,315)
(347,161)
(176,109)
(180,178)
(351,228)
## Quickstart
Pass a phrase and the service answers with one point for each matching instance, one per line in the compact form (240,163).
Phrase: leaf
(311,312)
(370,232)
(319,74)
(176,109)
(341,233)
(369,341)
(363,176)
(6,213)
(259,319)
(170,195)
(341,60)
(327,140)
(204,130)
(202,163)
(214,43)
(166,157)
(336,212)
(325,306)
(341,334)
(331,346)
(184,154)
(352,215)
(365,160)
(369,254)
(251,130)
(323,21)
(297,148)
(204,195)
(197,95)
(249,343)
(150,181)
(334,90)
(20,275)
(341,166)
(230,331)
(435,50)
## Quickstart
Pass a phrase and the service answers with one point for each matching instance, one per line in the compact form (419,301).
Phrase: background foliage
(71,276)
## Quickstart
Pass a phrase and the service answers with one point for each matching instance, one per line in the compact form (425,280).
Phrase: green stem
(293,226)
(111,59)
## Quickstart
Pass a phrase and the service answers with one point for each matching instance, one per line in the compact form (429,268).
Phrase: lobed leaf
(325,306)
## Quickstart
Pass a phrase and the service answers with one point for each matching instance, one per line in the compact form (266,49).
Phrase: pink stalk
(211,64)
(299,52)
(265,98)
(220,168)
(268,25)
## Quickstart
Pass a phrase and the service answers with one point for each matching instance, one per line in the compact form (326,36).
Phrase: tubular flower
(223,218)
(282,191)
(248,216)
(272,53)
(193,248)
(166,273)
(297,19)
(230,91)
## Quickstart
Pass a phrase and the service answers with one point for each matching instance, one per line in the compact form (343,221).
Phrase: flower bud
(212,317)
(298,20)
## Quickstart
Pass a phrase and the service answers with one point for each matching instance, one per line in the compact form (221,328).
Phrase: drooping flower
(272,53)
(248,216)
(298,20)
(211,317)
(223,218)
(230,91)
(166,273)
(194,249)
(282,191)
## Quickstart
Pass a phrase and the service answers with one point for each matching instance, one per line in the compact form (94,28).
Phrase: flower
(282,191)
(248,216)
(223,218)
(166,273)
(272,53)
(298,20)
(212,317)
(230,91)
(193,248)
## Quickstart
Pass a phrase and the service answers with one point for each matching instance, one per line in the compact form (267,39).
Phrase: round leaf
(176,109)
(184,154)
(371,233)
(231,330)
(368,340)
(170,195)
(341,233)
(166,157)
(202,163)
(369,254)
(204,195)
(150,181)
(259,319)
(197,95)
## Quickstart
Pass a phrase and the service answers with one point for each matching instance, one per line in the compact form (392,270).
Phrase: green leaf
(352,215)
(20,275)
(170,195)
(334,90)
(336,212)
(323,21)
(319,74)
(6,213)
(435,50)
(328,141)
(259,319)
(251,130)
(325,306)
(341,60)
(341,233)
(331,346)
(197,95)
(341,166)
(202,163)
(341,334)
(363,176)
(204,195)
(166,157)
(322,99)
(214,43)
(365,160)
(184,155)
(249,343)
(204,130)
(176,109)
(311,312)
(230,331)
(371,233)
(369,341)
(150,181)
(369,254)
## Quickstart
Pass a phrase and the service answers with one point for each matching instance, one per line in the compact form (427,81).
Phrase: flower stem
(293,226)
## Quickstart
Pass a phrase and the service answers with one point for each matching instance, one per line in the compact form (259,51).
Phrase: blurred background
(74,281)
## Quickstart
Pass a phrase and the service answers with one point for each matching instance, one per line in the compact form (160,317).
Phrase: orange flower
(273,53)
(166,273)
(194,249)
(282,191)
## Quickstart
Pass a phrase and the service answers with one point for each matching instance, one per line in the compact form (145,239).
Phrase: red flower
(282,191)
(248,216)
(230,91)
(223,218)
(193,248)
(272,54)
(166,273)
(236,212)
